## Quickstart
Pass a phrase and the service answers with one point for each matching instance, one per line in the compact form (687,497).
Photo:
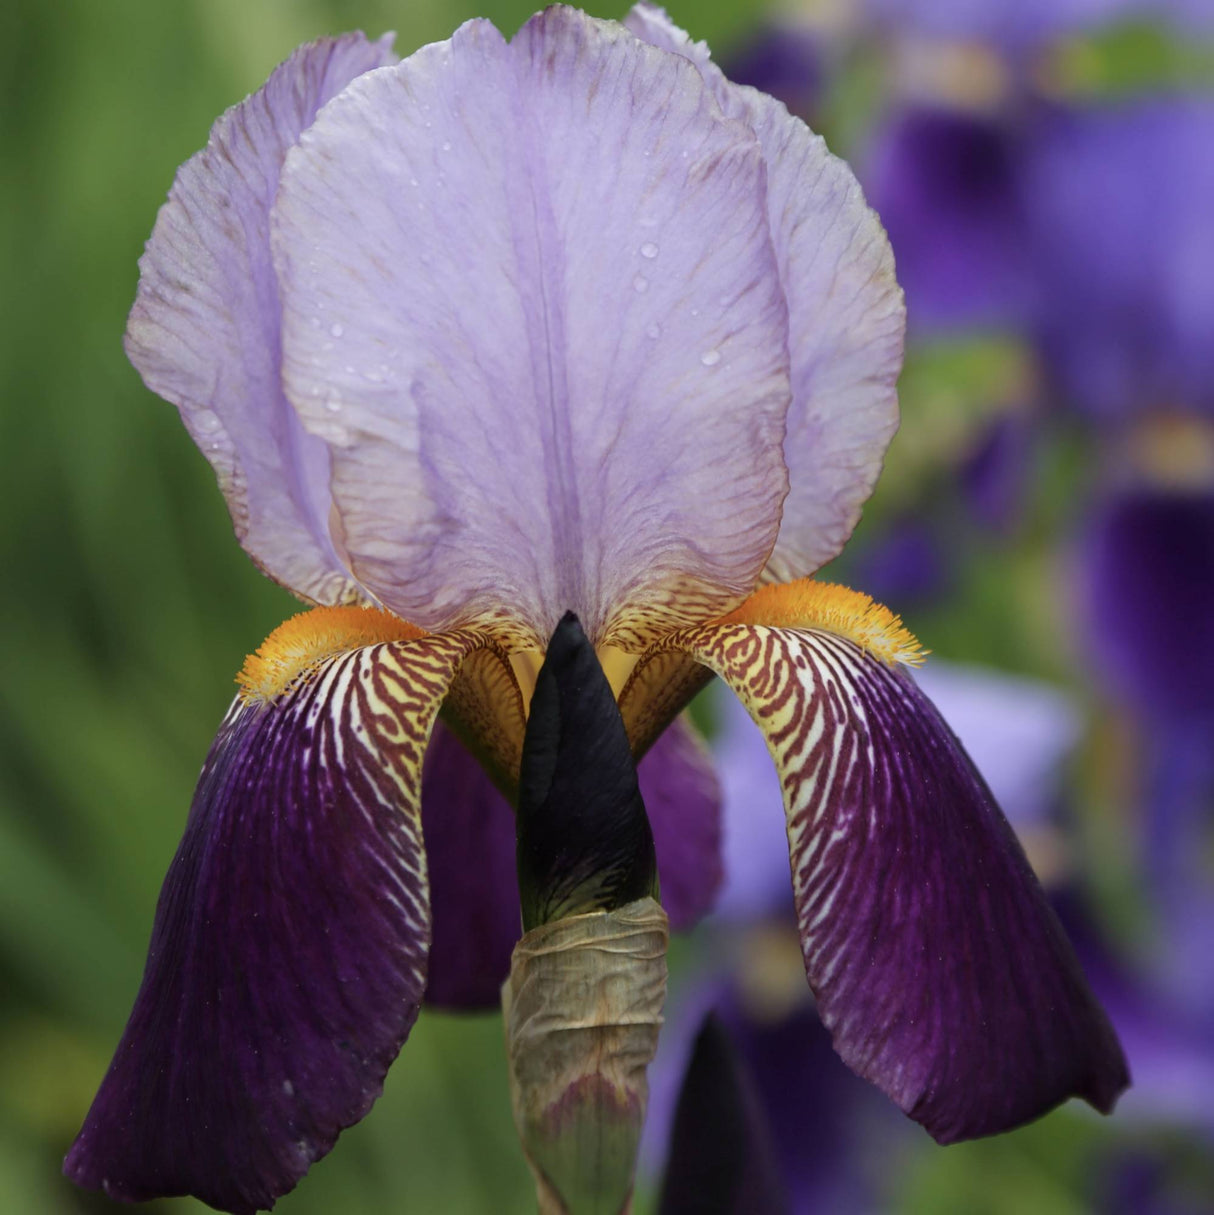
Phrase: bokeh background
(1046,172)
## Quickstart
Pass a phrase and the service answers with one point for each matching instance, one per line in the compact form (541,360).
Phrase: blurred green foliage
(126,607)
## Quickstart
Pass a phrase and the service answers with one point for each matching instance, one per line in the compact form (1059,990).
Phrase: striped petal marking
(938,966)
(288,956)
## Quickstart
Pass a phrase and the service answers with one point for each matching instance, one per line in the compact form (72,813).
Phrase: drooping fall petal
(683,799)
(205,329)
(531,304)
(845,315)
(288,956)
(938,966)
(469,833)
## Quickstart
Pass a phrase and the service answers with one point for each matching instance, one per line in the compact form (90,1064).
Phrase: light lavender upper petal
(845,315)
(204,330)
(531,303)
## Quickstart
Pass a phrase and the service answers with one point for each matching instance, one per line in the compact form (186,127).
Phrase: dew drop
(332,401)
(654,331)
(649,250)
(640,284)
(207,422)
(336,329)
(710,358)
(446,145)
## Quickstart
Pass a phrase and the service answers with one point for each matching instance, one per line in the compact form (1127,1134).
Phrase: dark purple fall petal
(938,966)
(205,329)
(469,833)
(683,799)
(288,956)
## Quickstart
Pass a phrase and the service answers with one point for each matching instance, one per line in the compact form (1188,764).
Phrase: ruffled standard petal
(204,330)
(558,373)
(938,966)
(845,315)
(288,956)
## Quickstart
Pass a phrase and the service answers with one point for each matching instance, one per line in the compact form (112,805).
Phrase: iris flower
(500,332)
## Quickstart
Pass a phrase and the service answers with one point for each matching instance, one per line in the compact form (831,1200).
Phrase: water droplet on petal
(207,422)
(640,283)
(654,331)
(332,401)
(446,145)
(710,358)
(336,329)
(649,249)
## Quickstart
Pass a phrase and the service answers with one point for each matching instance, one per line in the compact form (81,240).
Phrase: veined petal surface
(205,329)
(938,966)
(845,315)
(557,373)
(288,956)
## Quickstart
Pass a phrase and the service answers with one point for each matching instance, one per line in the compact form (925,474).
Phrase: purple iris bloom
(501,332)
